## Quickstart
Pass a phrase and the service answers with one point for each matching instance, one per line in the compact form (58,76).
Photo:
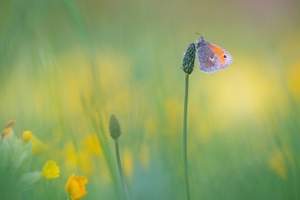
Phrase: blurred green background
(66,66)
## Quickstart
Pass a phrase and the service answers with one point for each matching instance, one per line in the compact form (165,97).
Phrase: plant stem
(185,159)
(121,170)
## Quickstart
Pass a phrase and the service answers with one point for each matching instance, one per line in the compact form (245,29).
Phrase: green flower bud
(189,59)
(114,127)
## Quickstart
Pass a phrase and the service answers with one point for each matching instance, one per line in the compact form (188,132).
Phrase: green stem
(120,169)
(185,159)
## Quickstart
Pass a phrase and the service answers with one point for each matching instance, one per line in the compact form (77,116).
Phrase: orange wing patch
(220,52)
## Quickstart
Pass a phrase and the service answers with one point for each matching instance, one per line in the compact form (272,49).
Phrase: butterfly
(212,57)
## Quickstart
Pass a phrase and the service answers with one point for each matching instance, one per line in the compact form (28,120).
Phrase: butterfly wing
(212,57)
(224,57)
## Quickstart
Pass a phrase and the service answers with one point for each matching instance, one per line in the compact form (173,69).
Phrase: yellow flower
(50,170)
(7,130)
(93,145)
(37,145)
(27,136)
(75,186)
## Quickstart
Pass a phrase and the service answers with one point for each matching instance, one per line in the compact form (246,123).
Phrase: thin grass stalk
(185,155)
(121,170)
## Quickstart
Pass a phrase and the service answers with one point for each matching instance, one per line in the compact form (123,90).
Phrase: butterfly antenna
(200,34)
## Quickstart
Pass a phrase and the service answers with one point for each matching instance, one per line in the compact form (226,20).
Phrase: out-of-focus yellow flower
(293,80)
(71,156)
(277,163)
(128,163)
(75,187)
(16,158)
(7,130)
(50,170)
(27,136)
(93,146)
(37,145)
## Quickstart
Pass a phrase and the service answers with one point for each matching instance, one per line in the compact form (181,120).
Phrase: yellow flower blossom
(27,136)
(75,187)
(93,145)
(50,170)
(37,145)
(7,130)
